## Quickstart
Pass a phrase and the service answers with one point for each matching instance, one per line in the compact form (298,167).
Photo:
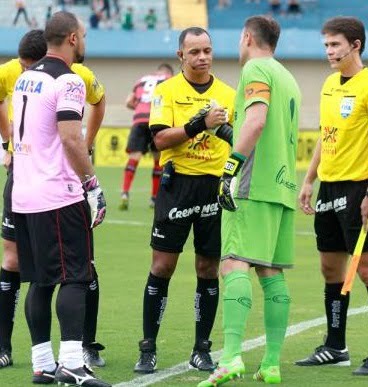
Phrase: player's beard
(79,58)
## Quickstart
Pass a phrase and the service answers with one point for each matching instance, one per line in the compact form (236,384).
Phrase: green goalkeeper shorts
(260,233)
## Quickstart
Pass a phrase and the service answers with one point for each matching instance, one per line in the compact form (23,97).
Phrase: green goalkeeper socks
(276,314)
(237,301)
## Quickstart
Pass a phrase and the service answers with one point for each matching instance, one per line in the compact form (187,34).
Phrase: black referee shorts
(140,139)
(7,226)
(55,246)
(338,221)
(190,200)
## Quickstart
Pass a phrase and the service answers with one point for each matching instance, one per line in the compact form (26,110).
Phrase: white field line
(248,345)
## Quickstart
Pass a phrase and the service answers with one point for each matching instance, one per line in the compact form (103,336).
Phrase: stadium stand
(315,12)
(187,13)
(141,8)
(38,9)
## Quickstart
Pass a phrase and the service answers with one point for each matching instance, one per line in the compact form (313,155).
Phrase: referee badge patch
(346,106)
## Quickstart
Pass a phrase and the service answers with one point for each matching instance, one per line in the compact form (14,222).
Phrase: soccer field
(123,258)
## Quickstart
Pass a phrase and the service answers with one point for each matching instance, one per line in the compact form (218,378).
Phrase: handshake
(211,119)
(96,200)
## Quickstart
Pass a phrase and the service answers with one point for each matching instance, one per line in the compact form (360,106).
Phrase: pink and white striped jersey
(143,91)
(43,95)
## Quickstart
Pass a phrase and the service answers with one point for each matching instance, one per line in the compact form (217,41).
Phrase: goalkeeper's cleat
(82,376)
(363,369)
(326,356)
(270,375)
(124,203)
(91,355)
(147,361)
(5,358)
(225,373)
(44,377)
(200,358)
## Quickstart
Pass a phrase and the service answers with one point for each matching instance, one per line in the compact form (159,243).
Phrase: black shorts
(7,228)
(55,246)
(190,200)
(140,139)
(338,221)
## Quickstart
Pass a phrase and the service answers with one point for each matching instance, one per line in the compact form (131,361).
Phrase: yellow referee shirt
(11,70)
(344,128)
(174,102)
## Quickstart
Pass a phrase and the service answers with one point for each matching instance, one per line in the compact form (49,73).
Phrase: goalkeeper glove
(197,123)
(96,200)
(227,184)
(225,132)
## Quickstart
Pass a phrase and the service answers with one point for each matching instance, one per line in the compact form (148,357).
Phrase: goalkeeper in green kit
(258,191)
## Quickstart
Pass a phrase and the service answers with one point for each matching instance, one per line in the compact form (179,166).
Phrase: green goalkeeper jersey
(269,175)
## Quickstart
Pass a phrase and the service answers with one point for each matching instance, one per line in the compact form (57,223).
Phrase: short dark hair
(167,67)
(265,29)
(197,31)
(60,25)
(32,45)
(351,27)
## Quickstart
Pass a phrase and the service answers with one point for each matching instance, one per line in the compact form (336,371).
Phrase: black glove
(96,200)
(197,123)
(224,131)
(227,184)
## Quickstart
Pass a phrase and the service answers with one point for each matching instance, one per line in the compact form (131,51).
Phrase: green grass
(123,261)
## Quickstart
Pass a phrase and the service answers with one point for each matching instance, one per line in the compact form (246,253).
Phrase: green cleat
(225,373)
(270,375)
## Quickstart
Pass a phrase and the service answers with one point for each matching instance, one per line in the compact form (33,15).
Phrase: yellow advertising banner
(110,148)
(306,143)
(111,144)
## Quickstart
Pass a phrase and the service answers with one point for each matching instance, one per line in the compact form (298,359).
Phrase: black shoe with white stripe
(82,376)
(200,359)
(147,361)
(5,358)
(44,377)
(326,356)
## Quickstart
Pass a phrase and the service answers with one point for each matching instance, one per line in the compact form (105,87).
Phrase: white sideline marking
(248,345)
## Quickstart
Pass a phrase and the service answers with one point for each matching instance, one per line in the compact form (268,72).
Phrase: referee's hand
(305,197)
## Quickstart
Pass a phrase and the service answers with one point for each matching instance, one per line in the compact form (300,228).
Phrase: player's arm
(75,147)
(166,137)
(95,97)
(5,131)
(306,192)
(95,117)
(131,101)
(250,131)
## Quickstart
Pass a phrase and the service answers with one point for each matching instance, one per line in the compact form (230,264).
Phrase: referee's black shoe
(82,376)
(44,377)
(363,369)
(200,359)
(147,361)
(326,356)
(5,358)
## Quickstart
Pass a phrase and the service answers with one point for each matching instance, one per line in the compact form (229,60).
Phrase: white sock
(71,354)
(43,357)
